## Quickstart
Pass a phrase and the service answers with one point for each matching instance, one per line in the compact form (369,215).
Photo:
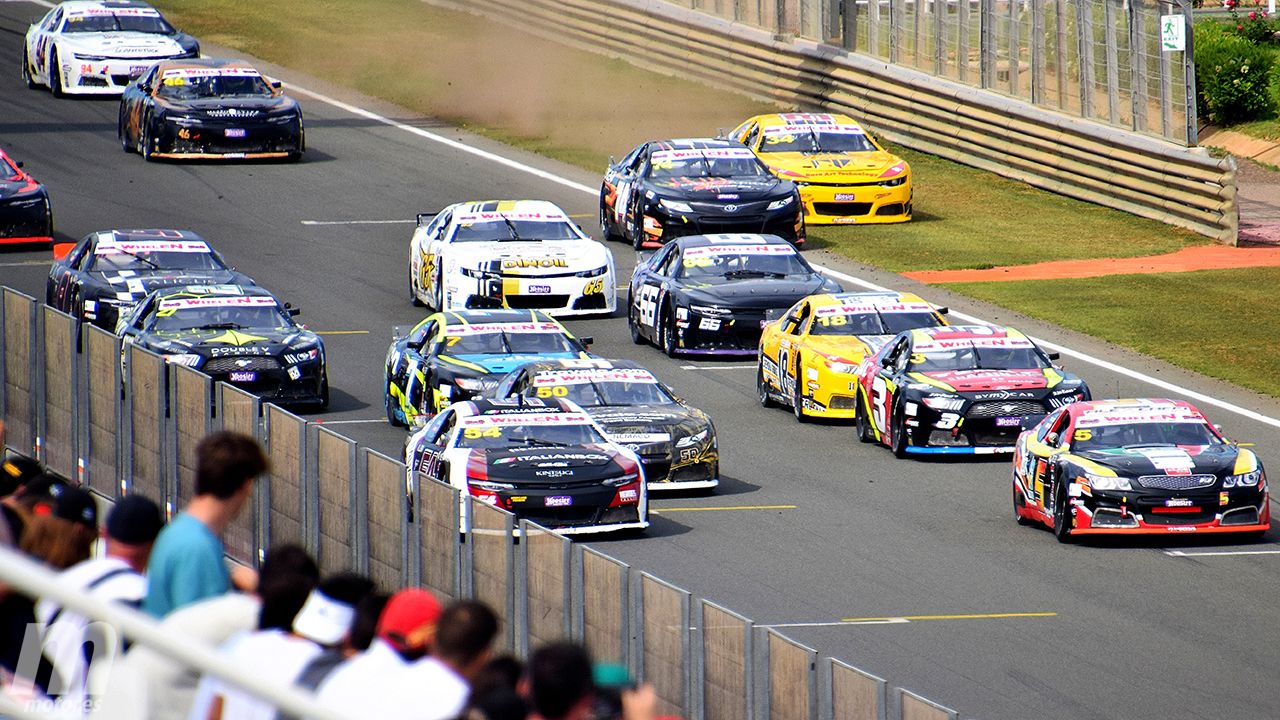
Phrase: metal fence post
(987,42)
(1137,68)
(1112,56)
(1189,74)
(359,490)
(895,29)
(848,10)
(1084,39)
(939,39)
(1037,53)
(38,379)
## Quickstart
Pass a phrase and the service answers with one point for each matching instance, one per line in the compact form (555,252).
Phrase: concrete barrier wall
(388,515)
(102,396)
(547,580)
(59,359)
(855,695)
(192,411)
(665,650)
(604,606)
(335,468)
(19,380)
(286,437)
(792,679)
(145,389)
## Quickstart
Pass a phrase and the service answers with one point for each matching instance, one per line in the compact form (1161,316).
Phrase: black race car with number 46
(236,334)
(675,441)
(669,189)
(708,294)
(107,272)
(209,109)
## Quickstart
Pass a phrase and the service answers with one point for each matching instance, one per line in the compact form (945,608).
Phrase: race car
(664,190)
(1141,466)
(454,356)
(509,254)
(237,334)
(96,47)
(708,294)
(209,109)
(108,271)
(822,339)
(844,175)
(25,213)
(958,389)
(545,461)
(675,441)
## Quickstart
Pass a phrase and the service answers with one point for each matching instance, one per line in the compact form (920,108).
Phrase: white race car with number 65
(524,254)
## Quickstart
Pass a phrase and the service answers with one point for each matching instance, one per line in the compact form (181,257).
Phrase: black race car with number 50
(237,334)
(708,294)
(965,389)
(664,190)
(107,272)
(209,109)
(1144,466)
(676,442)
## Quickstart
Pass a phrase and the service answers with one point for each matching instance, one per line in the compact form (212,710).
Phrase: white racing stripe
(552,177)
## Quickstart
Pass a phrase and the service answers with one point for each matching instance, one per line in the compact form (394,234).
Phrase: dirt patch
(1206,257)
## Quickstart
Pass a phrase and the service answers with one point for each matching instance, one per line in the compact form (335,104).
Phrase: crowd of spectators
(366,652)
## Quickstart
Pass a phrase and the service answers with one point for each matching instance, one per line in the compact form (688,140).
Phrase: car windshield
(7,170)
(982,358)
(117,22)
(805,140)
(508,343)
(741,262)
(602,390)
(725,162)
(186,87)
(871,323)
(142,260)
(225,317)
(1147,433)
(508,436)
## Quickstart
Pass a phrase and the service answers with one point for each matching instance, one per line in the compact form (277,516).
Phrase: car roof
(730,239)
(815,119)
(205,63)
(876,299)
(476,317)
(215,291)
(544,207)
(693,144)
(144,235)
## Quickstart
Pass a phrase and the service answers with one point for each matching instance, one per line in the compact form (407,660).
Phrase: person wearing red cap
(371,684)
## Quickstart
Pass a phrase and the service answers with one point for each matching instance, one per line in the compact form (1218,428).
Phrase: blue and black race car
(460,355)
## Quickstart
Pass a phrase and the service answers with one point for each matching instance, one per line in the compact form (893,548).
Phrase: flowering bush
(1251,22)
(1233,76)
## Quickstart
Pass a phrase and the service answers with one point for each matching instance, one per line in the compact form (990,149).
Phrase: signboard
(1173,33)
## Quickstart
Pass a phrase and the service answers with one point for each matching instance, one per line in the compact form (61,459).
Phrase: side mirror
(943,310)
(1054,356)
(426,217)
(586,340)
(1051,438)
(19,163)
(293,311)
(774,313)
(612,162)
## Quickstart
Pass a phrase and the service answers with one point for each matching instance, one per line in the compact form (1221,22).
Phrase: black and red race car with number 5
(962,389)
(1136,467)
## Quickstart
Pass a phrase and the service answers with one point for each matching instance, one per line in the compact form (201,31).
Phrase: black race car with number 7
(959,389)
(1143,466)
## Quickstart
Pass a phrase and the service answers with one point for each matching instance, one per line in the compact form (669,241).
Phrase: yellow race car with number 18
(808,356)
(845,177)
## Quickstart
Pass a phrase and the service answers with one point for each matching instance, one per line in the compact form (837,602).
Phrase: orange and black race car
(208,108)
(1136,466)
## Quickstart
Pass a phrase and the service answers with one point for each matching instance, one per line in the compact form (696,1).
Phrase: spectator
(147,685)
(559,683)
(186,563)
(273,652)
(460,652)
(330,600)
(71,641)
(15,473)
(494,694)
(370,684)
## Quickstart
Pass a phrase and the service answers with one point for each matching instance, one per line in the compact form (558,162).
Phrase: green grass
(1217,322)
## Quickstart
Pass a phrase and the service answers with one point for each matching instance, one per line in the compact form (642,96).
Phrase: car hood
(755,292)
(852,348)
(1132,461)
(979,380)
(546,257)
(708,189)
(222,343)
(831,167)
(503,364)
(230,107)
(122,44)
(135,285)
(551,465)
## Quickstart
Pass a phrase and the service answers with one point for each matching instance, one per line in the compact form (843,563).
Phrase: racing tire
(898,442)
(667,335)
(862,421)
(145,143)
(797,399)
(391,412)
(413,290)
(324,391)
(762,389)
(633,324)
(607,228)
(55,77)
(123,134)
(1018,503)
(27,77)
(636,229)
(1061,523)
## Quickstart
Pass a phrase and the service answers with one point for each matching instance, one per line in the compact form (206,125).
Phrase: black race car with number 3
(708,294)
(1143,466)
(966,389)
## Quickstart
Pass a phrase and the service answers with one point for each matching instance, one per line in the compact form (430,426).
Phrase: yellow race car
(822,339)
(844,176)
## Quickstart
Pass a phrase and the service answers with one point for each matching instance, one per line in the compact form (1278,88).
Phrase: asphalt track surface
(880,562)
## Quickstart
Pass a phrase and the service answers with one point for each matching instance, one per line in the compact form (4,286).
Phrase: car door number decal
(879,404)
(649,305)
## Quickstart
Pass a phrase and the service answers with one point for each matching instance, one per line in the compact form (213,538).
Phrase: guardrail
(66,400)
(1090,161)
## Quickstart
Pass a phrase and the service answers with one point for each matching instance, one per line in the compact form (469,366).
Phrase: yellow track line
(982,616)
(731,507)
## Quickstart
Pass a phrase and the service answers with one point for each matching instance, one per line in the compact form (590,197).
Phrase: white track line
(1217,553)
(357,222)
(717,367)
(552,177)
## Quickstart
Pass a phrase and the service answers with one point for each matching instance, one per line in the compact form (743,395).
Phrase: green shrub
(1233,76)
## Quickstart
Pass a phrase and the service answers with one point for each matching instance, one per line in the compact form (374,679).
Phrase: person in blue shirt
(187,563)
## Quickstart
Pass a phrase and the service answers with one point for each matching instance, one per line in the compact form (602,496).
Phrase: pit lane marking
(723,508)
(1215,553)
(906,619)
(594,192)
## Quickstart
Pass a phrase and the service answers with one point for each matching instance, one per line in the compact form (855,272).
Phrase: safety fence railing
(120,419)
(907,86)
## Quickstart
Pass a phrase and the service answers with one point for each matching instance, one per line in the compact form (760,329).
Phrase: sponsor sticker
(108,247)
(471,218)
(193,72)
(243,376)
(539,289)
(217,301)
(234,132)
(842,197)
(709,324)
(1177,502)
(558,501)
(628,495)
(294,373)
(1224,498)
(1008,421)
